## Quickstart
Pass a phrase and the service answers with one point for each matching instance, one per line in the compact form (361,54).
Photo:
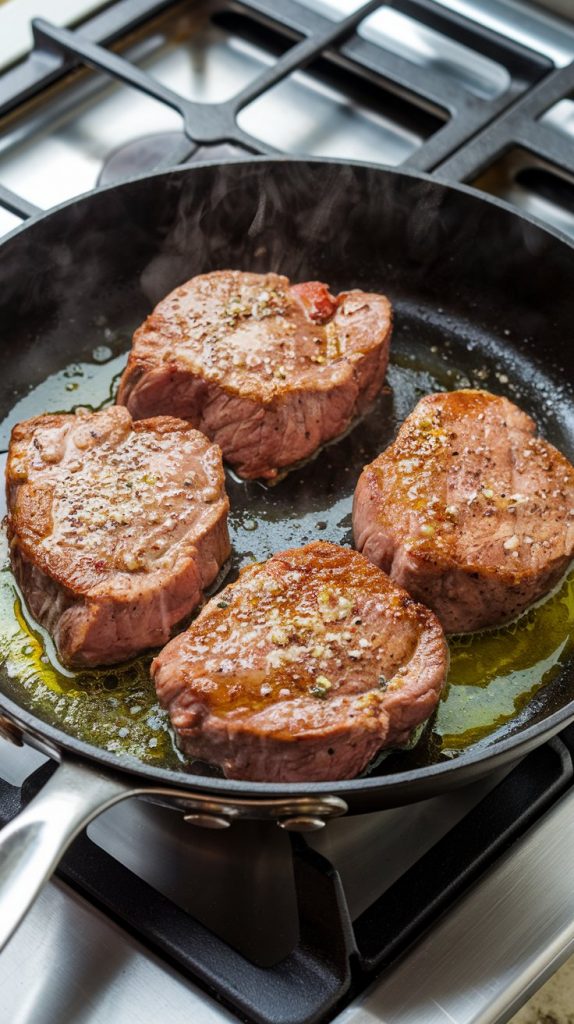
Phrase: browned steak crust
(304,669)
(468,510)
(268,371)
(115,528)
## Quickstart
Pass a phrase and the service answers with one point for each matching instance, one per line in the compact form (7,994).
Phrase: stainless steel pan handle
(32,844)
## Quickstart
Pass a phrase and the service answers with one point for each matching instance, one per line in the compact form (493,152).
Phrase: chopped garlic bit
(512,543)
(333,607)
(487,492)
(279,637)
(275,659)
(427,530)
(451,510)
(131,561)
(407,465)
(371,700)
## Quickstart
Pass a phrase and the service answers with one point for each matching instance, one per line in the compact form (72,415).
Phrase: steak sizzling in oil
(468,510)
(302,670)
(268,370)
(115,528)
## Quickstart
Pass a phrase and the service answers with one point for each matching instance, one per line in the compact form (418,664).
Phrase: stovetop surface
(498,940)
(475,92)
(411,86)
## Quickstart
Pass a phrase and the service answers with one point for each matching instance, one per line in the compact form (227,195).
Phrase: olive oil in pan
(79,385)
(493,676)
(114,708)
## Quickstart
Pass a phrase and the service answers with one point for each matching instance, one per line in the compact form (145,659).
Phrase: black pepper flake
(223,604)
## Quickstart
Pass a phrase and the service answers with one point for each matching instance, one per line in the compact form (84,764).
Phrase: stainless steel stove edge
(496,946)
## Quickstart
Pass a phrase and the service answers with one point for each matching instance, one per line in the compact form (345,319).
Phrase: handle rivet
(9,731)
(304,823)
(207,821)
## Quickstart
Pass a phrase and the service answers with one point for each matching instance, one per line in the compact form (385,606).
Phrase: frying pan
(471,280)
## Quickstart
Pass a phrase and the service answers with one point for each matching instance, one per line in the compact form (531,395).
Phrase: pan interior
(494,677)
(462,319)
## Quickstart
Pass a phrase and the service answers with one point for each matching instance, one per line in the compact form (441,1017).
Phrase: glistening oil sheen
(493,676)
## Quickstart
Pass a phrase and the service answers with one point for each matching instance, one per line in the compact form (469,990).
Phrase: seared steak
(115,528)
(304,669)
(468,510)
(268,371)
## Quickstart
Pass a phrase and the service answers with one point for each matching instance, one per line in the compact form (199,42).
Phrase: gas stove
(453,909)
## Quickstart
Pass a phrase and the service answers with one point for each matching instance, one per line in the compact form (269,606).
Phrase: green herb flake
(320,687)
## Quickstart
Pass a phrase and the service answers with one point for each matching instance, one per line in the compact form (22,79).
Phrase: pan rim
(279,159)
(488,754)
(53,741)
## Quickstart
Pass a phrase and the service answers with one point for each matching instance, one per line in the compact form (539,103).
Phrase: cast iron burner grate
(306,37)
(334,958)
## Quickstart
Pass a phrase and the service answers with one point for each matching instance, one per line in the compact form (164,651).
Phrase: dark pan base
(488,290)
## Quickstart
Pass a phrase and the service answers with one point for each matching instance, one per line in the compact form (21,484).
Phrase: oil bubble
(102,353)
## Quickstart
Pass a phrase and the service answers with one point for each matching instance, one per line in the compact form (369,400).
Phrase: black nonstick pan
(482,296)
